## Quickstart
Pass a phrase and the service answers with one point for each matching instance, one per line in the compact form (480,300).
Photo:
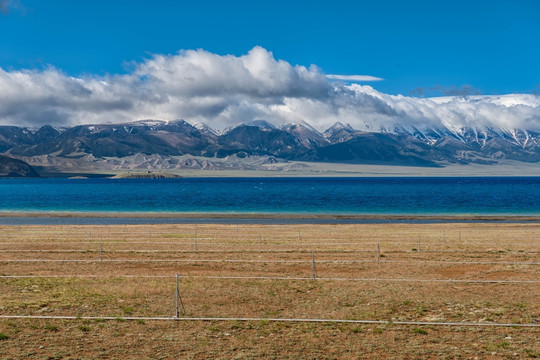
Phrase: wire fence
(286,278)
(285,237)
(275,241)
(264,261)
(252,319)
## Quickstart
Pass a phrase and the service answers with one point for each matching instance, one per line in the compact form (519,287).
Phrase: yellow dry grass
(265,271)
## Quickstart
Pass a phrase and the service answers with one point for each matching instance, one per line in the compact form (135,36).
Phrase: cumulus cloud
(225,90)
(354,78)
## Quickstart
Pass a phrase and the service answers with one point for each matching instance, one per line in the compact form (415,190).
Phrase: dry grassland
(458,273)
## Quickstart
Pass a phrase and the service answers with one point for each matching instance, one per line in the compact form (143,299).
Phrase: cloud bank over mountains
(225,90)
(354,77)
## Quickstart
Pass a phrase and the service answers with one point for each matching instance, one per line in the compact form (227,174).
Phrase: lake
(414,196)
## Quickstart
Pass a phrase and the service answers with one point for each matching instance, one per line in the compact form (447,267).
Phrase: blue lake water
(490,196)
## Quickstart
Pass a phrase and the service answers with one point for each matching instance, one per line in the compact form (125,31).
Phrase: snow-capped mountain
(152,143)
(339,133)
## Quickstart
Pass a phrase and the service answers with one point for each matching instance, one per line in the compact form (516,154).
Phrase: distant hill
(15,168)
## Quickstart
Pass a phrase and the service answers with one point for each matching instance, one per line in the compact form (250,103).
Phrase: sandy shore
(179,215)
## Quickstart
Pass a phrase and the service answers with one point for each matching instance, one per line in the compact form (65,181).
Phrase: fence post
(313,269)
(176,297)
(419,249)
(195,247)
(378,253)
(177,301)
(101,252)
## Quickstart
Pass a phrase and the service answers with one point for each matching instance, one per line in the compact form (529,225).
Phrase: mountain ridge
(297,141)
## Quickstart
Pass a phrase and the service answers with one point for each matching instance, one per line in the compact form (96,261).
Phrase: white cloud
(354,78)
(224,90)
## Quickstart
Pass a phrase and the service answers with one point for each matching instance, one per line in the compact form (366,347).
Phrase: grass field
(465,274)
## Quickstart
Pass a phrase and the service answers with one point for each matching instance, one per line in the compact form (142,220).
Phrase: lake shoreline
(277,216)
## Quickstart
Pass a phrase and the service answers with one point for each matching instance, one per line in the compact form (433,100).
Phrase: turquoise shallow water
(490,196)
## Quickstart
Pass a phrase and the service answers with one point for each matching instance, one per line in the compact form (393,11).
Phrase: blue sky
(453,65)
(420,48)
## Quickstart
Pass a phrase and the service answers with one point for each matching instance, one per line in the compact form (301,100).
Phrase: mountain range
(156,144)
